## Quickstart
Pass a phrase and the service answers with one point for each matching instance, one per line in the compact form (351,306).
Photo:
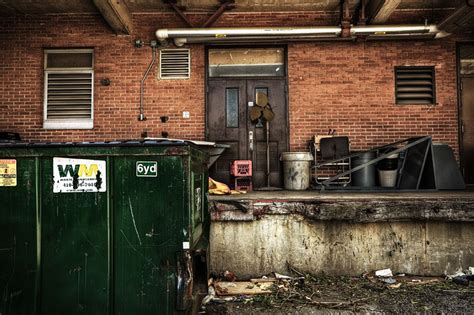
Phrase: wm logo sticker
(79,175)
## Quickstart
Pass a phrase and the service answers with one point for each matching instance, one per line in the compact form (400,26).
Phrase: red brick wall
(345,86)
(350,87)
(115,106)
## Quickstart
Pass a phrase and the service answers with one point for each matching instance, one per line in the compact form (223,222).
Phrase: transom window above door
(246,62)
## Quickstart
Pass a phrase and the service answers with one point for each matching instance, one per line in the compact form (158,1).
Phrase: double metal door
(228,122)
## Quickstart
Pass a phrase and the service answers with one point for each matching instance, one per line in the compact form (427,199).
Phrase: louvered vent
(175,64)
(415,85)
(69,95)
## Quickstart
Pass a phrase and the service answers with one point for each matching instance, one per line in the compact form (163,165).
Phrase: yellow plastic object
(217,188)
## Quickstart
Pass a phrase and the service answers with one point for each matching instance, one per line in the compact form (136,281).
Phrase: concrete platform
(353,206)
(428,233)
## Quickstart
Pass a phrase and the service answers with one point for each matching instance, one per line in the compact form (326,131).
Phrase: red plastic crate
(241,168)
(243,183)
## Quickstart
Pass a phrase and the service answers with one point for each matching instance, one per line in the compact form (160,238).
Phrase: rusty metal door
(467,128)
(228,122)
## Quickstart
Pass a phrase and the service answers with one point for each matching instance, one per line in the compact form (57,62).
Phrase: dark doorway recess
(466,109)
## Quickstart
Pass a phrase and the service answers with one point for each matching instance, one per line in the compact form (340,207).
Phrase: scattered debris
(395,286)
(264,279)
(463,280)
(242,288)
(298,293)
(229,276)
(280,276)
(423,280)
(384,273)
(461,277)
(211,294)
(459,273)
(389,280)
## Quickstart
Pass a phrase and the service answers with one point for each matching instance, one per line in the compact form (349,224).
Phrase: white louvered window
(68,89)
(175,64)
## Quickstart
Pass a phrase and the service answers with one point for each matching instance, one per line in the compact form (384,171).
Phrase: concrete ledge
(342,234)
(450,207)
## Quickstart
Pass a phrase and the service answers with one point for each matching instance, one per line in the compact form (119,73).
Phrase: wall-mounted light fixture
(105,81)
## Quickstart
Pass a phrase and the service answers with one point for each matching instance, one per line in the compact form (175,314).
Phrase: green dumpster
(102,228)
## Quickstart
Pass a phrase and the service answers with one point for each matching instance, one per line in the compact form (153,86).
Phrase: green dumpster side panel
(148,232)
(112,252)
(18,269)
(74,249)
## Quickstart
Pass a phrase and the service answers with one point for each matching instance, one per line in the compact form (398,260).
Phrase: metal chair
(328,148)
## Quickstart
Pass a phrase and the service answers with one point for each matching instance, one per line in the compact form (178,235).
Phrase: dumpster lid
(213,149)
(125,143)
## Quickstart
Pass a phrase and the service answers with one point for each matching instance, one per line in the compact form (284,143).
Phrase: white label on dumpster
(78,175)
(7,172)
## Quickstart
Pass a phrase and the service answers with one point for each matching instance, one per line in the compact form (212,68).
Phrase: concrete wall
(347,86)
(256,248)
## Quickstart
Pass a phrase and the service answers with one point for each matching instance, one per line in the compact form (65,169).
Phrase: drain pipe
(153,44)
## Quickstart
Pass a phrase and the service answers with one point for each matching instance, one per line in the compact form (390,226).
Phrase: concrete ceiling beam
(117,15)
(379,11)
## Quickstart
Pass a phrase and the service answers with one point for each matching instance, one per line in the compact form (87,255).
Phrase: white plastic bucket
(388,178)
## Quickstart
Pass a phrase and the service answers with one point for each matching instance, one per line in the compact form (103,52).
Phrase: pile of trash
(226,288)
(395,281)
(368,292)
(465,277)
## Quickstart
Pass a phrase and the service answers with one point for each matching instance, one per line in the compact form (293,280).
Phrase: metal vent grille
(69,95)
(415,85)
(175,64)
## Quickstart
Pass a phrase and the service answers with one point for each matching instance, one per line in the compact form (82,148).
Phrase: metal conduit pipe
(251,31)
(387,30)
(141,116)
(180,41)
(183,36)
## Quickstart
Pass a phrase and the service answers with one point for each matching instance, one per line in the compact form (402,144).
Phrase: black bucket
(364,177)
(390,163)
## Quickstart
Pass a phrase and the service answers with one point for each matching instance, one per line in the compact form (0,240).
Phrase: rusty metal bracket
(179,10)
(360,16)
(345,19)
(225,5)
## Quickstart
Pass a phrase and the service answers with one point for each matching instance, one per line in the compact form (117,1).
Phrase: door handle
(251,141)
